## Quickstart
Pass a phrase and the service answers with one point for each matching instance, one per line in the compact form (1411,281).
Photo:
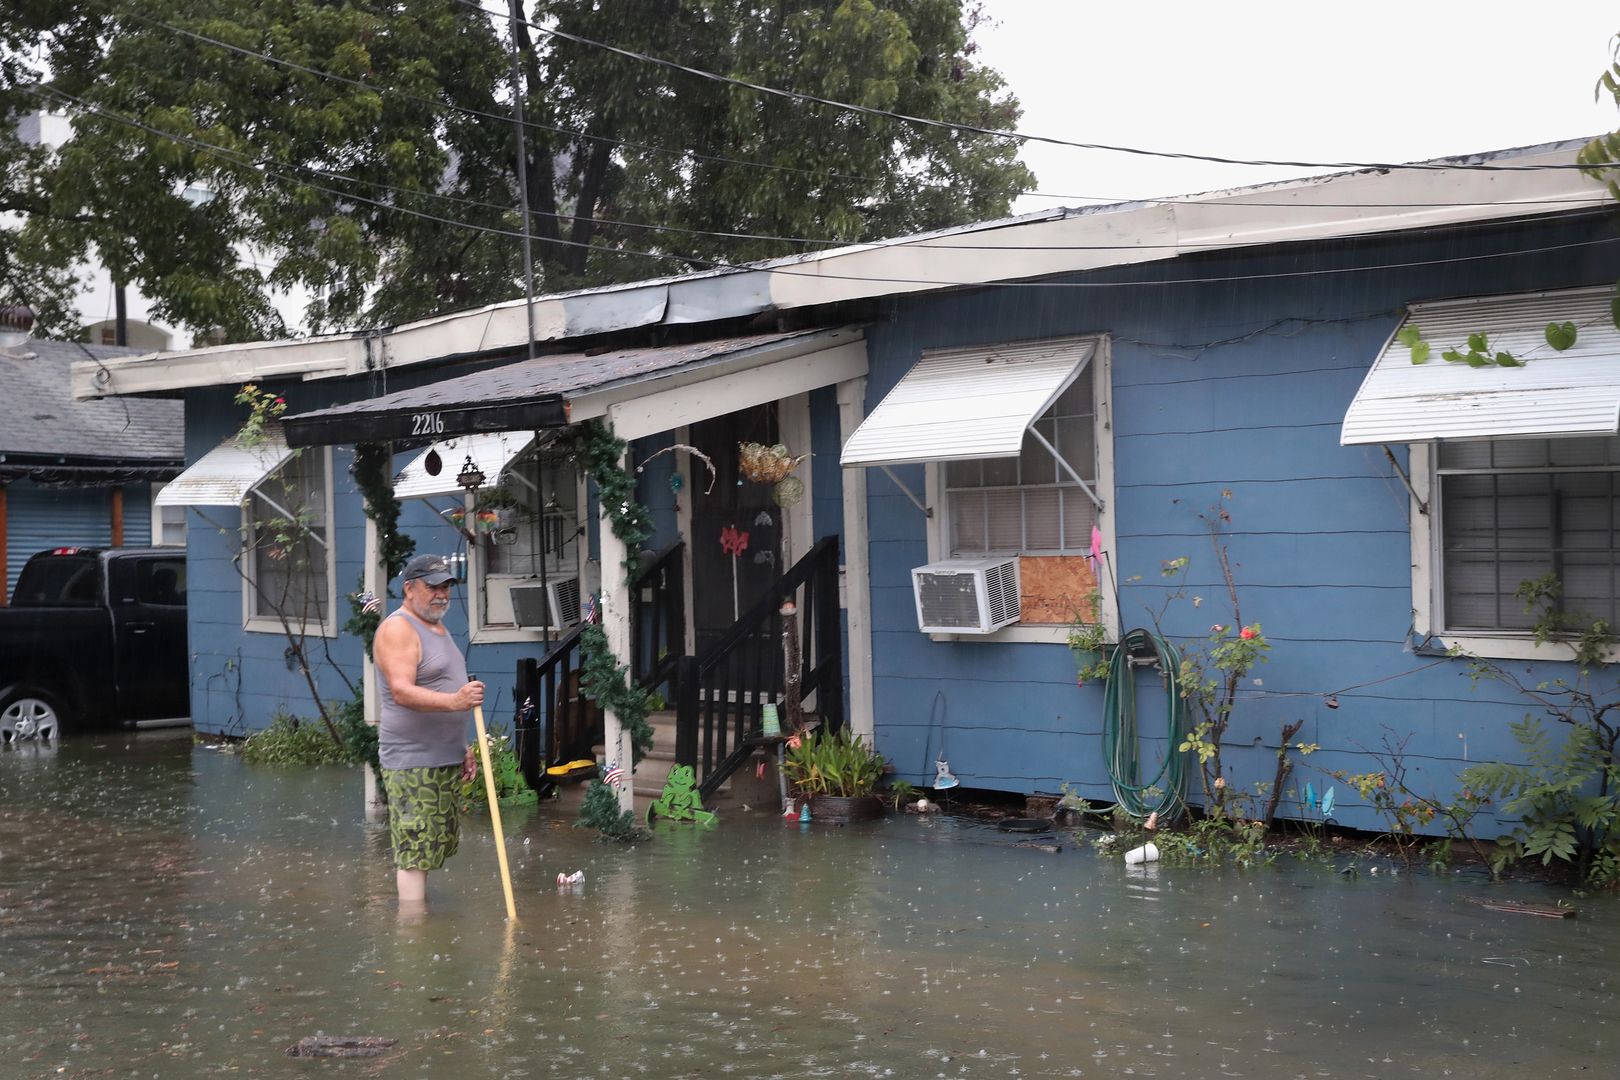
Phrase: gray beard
(429,614)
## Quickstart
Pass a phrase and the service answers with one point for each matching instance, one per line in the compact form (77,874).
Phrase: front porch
(699,623)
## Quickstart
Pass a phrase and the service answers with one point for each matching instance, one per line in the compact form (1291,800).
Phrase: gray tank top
(407,739)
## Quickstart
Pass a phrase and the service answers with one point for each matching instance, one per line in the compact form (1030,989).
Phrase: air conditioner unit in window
(555,604)
(966,596)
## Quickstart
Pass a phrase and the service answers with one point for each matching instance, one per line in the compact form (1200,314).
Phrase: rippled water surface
(166,911)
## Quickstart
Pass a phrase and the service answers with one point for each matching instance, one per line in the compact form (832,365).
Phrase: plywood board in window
(1056,588)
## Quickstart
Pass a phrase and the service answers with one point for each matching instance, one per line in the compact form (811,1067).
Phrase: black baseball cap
(428,569)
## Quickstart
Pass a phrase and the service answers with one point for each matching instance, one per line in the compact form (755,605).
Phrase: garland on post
(370,468)
(604,679)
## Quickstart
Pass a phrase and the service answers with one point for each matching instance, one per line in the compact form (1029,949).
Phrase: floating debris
(341,1046)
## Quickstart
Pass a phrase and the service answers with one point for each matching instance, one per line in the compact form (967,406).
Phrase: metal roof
(225,475)
(1575,392)
(528,395)
(1361,203)
(967,403)
(43,422)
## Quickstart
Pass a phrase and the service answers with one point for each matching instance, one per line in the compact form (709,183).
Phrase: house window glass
(1028,505)
(289,560)
(527,527)
(1515,510)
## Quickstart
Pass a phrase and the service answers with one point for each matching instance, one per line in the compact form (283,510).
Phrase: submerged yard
(167,911)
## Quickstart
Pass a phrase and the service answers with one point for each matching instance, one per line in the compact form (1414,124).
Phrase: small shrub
(291,741)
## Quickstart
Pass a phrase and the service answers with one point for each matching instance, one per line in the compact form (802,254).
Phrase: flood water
(167,911)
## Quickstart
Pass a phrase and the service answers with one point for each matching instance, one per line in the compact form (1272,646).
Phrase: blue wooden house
(1015,428)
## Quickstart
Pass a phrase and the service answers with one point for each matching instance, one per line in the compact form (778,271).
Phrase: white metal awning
(967,403)
(225,475)
(1575,392)
(493,453)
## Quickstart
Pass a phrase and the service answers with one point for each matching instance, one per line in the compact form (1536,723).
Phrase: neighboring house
(78,473)
(1077,391)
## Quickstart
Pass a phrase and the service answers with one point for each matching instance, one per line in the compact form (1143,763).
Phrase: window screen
(1515,510)
(1027,505)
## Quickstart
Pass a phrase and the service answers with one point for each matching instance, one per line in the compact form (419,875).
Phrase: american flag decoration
(613,775)
(591,613)
(370,602)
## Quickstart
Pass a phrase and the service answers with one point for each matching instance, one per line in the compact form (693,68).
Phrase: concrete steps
(743,787)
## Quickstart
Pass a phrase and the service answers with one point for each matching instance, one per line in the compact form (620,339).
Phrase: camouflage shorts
(423,826)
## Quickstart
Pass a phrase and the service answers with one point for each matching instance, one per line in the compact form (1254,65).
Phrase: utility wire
(923,121)
(784,269)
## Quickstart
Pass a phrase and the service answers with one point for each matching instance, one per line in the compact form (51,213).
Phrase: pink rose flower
(1247,633)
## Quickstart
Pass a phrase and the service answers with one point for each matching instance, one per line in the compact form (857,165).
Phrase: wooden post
(616,625)
(117,517)
(857,590)
(374,581)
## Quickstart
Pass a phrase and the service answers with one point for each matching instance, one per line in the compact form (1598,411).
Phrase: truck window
(59,581)
(161,581)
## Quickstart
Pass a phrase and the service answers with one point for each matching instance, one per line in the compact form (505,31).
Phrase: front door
(736,540)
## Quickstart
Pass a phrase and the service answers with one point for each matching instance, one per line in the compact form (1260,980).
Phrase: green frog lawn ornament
(680,800)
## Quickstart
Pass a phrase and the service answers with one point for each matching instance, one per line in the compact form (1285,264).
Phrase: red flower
(281,401)
(1248,633)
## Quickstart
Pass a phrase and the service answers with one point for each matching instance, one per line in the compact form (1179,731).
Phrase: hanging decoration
(675,481)
(788,492)
(766,464)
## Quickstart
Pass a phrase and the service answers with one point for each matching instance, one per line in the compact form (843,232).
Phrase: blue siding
(1230,385)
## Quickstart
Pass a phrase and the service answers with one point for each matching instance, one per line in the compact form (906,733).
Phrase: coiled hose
(1132,794)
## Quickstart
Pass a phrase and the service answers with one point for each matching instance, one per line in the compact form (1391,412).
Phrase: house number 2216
(427,423)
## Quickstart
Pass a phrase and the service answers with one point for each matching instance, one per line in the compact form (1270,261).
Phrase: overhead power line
(1021,137)
(266,170)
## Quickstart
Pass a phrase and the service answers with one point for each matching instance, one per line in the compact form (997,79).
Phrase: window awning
(493,454)
(225,475)
(1575,392)
(967,403)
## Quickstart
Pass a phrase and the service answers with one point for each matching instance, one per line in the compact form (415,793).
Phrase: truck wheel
(29,716)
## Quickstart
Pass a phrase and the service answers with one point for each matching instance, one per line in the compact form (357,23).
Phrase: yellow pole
(494,811)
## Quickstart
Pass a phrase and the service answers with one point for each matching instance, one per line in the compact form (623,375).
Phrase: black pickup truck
(94,637)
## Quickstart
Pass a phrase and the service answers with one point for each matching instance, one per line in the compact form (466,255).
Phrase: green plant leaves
(1561,335)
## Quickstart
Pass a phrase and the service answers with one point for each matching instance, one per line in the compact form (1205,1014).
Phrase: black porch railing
(658,618)
(721,695)
(555,721)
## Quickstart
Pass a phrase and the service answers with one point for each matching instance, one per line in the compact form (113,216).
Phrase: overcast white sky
(1305,80)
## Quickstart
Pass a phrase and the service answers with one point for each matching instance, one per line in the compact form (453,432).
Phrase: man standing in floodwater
(422,730)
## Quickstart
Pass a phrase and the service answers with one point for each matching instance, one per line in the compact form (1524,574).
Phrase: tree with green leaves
(363,151)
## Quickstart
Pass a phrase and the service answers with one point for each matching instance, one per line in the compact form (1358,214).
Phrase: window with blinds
(1027,505)
(1512,510)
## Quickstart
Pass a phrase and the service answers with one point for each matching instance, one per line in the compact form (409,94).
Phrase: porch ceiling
(551,391)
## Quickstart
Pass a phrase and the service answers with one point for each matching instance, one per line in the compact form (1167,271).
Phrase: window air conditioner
(555,604)
(966,596)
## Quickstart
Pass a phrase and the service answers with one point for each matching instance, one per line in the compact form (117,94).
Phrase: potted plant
(837,773)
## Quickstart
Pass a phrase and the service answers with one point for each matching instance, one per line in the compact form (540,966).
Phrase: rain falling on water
(167,911)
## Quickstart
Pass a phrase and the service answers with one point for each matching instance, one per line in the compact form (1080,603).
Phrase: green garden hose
(1166,792)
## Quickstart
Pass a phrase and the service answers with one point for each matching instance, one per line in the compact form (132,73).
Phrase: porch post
(857,581)
(375,583)
(616,625)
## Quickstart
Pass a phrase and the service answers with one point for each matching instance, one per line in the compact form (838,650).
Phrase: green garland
(604,679)
(601,812)
(373,463)
(600,451)
(370,468)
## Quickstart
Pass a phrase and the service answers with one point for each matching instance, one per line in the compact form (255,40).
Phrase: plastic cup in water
(1145,854)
